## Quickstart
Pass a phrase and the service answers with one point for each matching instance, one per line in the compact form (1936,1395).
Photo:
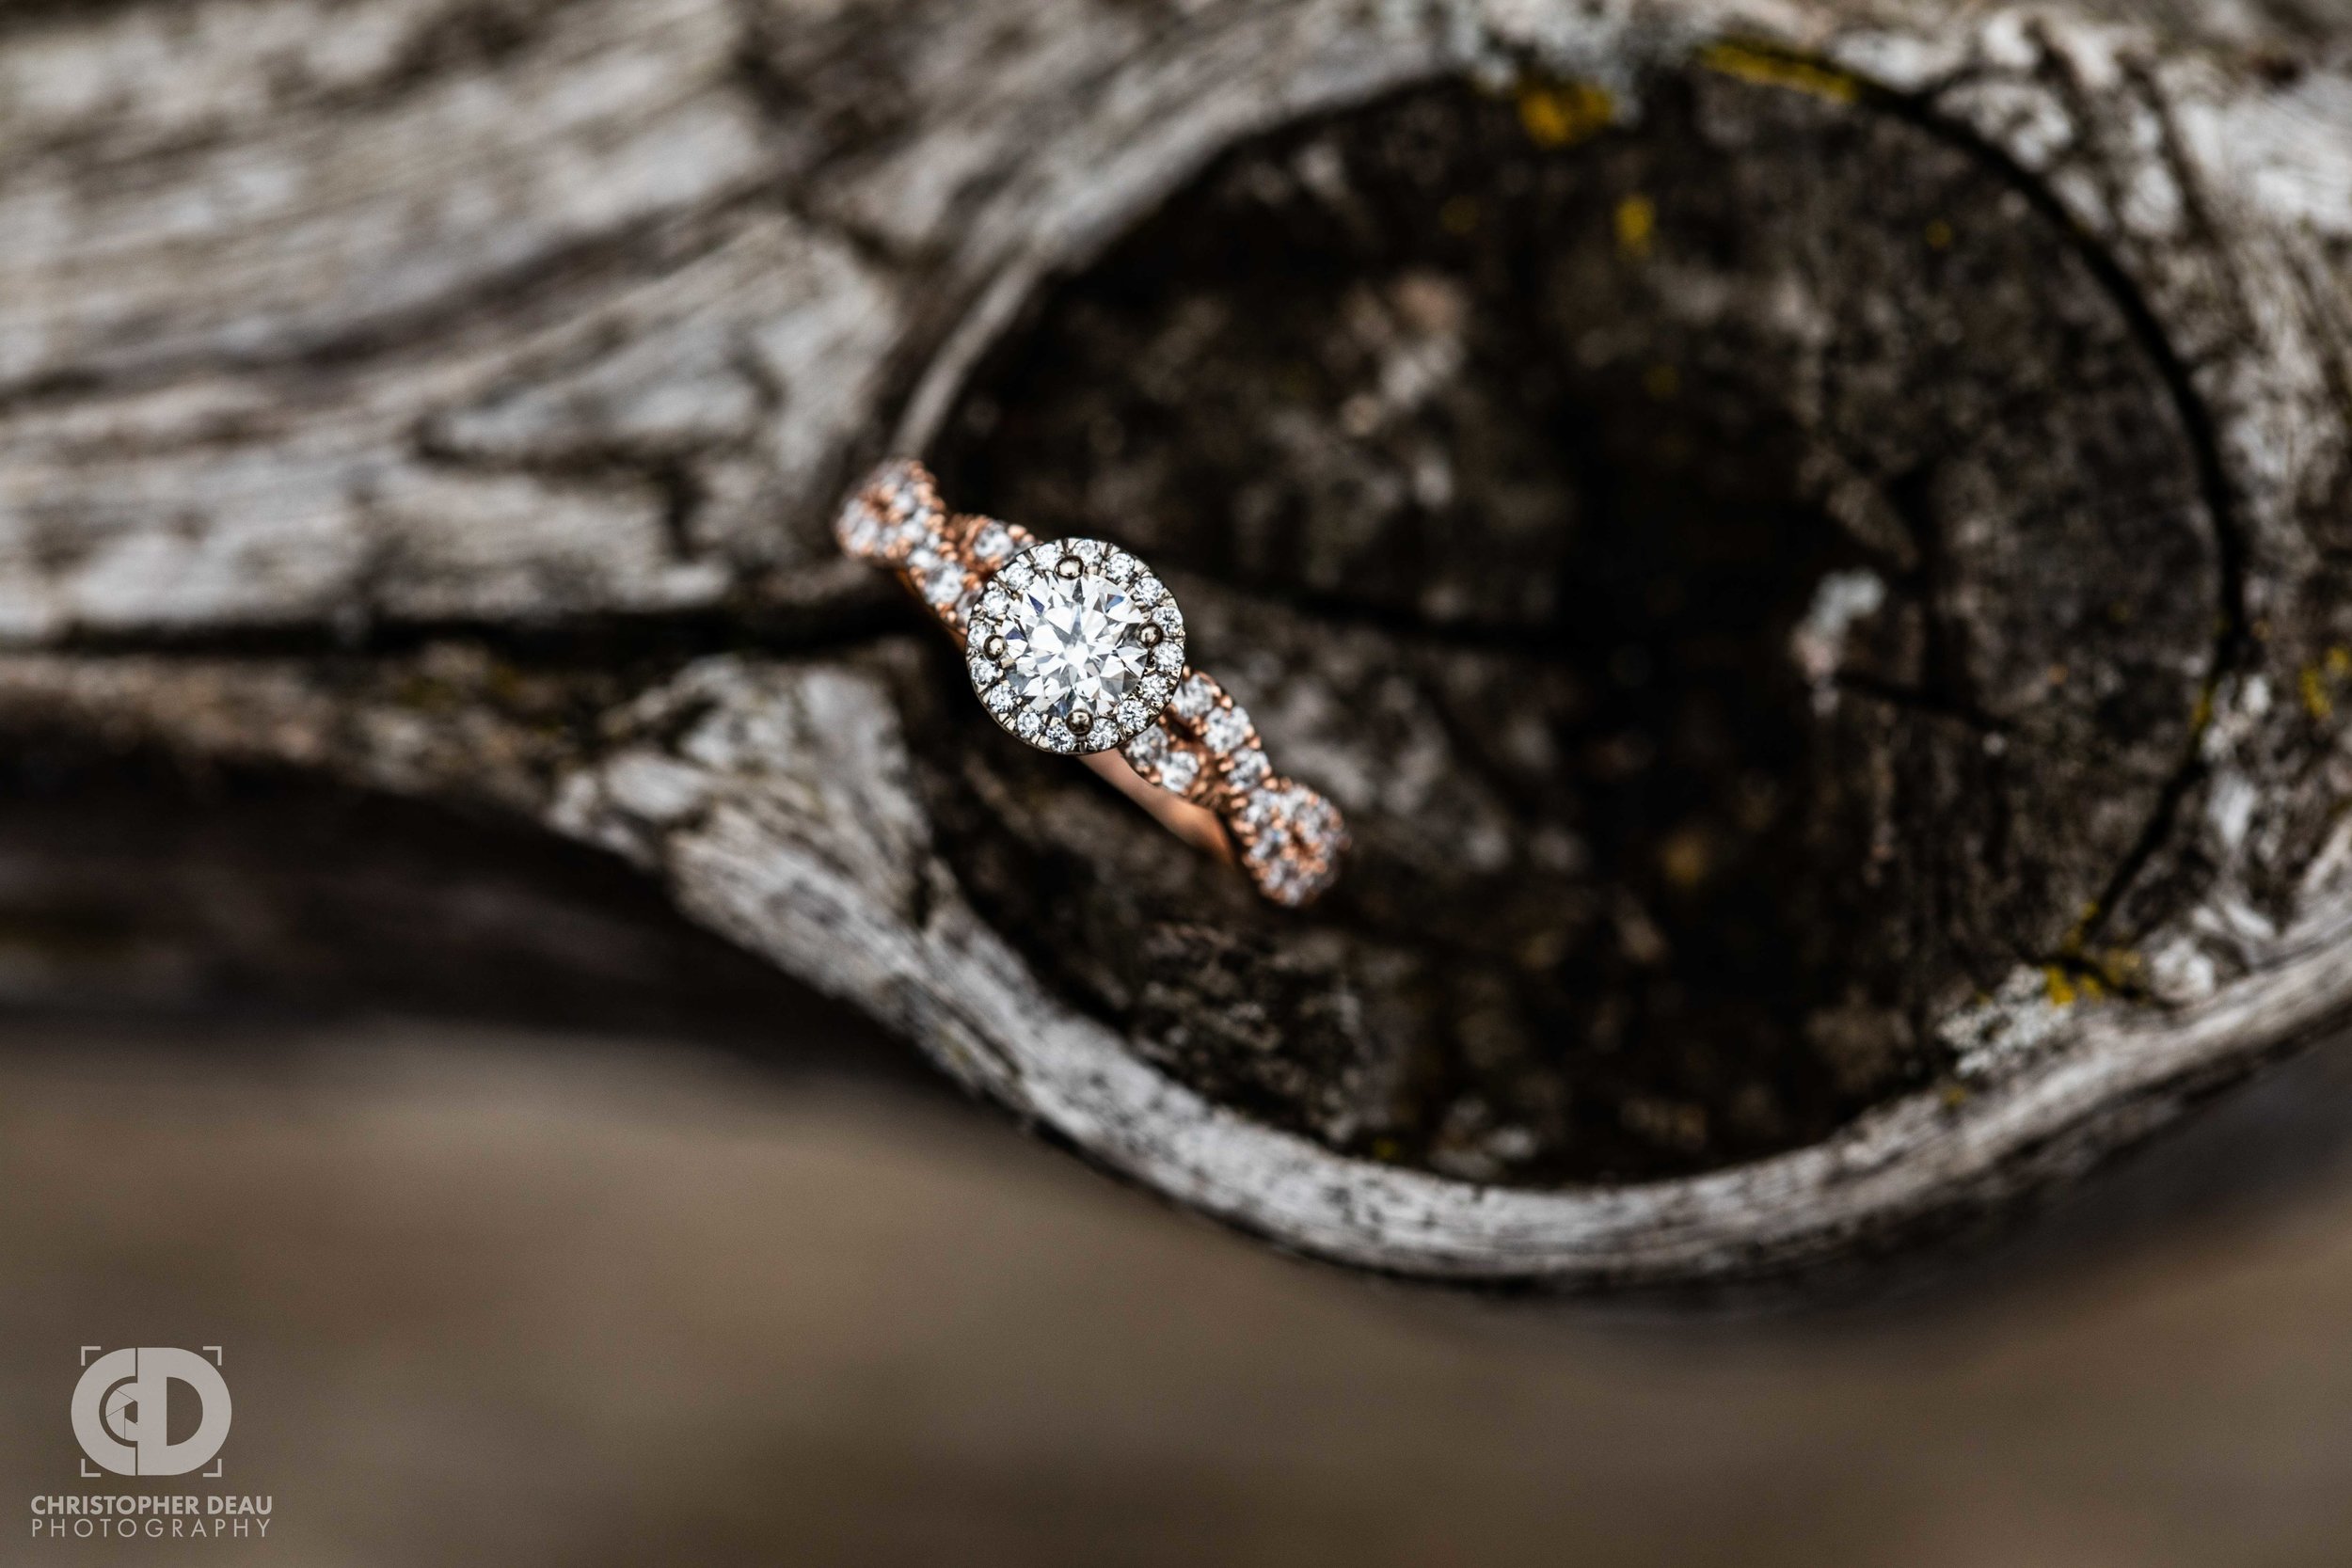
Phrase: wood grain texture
(1806,539)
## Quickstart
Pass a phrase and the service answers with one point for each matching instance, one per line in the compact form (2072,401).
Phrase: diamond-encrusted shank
(1291,837)
(1176,765)
(1075,646)
(893,513)
(895,520)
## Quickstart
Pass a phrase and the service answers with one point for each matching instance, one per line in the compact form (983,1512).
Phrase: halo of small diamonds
(1066,655)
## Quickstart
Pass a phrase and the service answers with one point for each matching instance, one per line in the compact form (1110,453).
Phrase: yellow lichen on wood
(1561,113)
(1686,857)
(2315,699)
(2083,976)
(1637,220)
(2317,682)
(2120,969)
(1773,68)
(2064,990)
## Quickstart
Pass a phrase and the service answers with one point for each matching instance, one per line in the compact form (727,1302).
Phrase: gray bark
(1807,539)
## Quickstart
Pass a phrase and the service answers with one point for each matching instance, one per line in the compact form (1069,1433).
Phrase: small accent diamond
(1147,590)
(991,543)
(1027,726)
(1149,750)
(1171,619)
(858,529)
(1246,768)
(1000,700)
(1169,655)
(1196,697)
(1155,690)
(1226,730)
(1180,769)
(1295,840)
(945,585)
(1132,716)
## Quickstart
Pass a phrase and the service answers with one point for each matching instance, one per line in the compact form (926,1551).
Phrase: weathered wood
(1805,538)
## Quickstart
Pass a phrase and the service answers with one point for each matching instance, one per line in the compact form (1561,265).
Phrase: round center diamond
(1075,642)
(1074,647)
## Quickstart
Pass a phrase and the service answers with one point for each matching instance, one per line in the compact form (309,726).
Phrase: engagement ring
(1074,647)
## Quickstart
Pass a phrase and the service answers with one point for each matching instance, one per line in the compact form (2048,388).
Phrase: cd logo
(122,1411)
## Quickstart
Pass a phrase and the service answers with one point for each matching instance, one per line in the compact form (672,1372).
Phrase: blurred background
(582,1298)
(539,1229)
